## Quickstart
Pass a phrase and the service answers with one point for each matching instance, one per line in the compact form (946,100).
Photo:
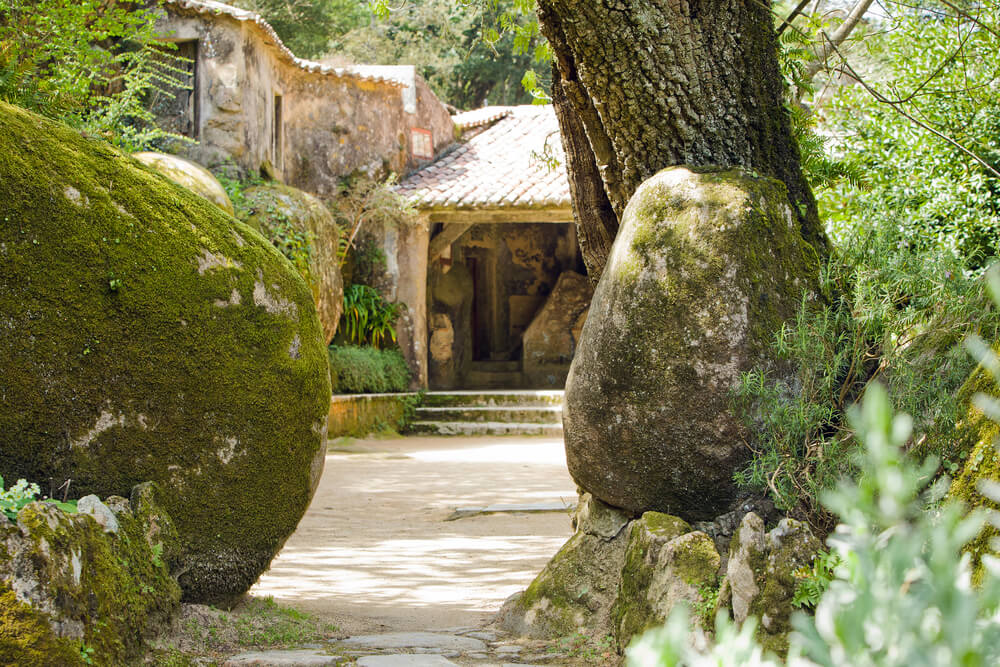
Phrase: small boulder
(188,175)
(666,564)
(706,267)
(147,335)
(574,592)
(761,577)
(102,514)
(65,582)
(305,228)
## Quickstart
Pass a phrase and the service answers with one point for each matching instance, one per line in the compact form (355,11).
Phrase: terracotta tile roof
(478,117)
(504,166)
(271,37)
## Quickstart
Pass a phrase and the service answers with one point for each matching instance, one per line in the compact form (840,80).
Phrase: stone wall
(359,415)
(330,122)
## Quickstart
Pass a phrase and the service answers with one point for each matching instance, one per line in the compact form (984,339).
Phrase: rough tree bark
(655,83)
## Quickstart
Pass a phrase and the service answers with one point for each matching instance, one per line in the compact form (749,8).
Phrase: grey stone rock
(599,519)
(283,658)
(485,635)
(102,514)
(573,593)
(761,579)
(707,265)
(405,660)
(414,640)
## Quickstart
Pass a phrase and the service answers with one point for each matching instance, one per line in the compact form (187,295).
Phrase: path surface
(375,553)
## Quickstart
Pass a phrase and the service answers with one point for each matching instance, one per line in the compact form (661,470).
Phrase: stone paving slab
(504,508)
(288,658)
(405,660)
(414,640)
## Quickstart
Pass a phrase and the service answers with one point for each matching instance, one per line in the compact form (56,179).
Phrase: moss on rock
(706,267)
(66,584)
(976,434)
(304,229)
(149,336)
(189,175)
(666,564)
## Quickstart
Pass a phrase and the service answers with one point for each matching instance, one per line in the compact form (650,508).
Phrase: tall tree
(643,84)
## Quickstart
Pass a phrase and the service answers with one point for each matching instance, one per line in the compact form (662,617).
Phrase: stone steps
(523,412)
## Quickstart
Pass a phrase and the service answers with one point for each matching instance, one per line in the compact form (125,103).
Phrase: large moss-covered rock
(306,231)
(576,589)
(192,176)
(761,576)
(706,267)
(149,336)
(666,564)
(976,435)
(73,591)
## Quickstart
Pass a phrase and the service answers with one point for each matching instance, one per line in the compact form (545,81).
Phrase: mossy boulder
(706,267)
(189,175)
(666,564)
(761,576)
(150,336)
(71,591)
(304,229)
(976,434)
(574,592)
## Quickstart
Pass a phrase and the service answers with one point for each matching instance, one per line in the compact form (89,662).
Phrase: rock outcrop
(706,267)
(761,577)
(147,335)
(189,175)
(575,591)
(306,230)
(976,437)
(548,342)
(75,591)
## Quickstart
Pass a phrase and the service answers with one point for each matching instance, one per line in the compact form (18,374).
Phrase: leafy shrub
(368,319)
(362,370)
(895,313)
(902,594)
(91,64)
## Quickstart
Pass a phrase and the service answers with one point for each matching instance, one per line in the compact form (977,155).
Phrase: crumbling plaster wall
(332,125)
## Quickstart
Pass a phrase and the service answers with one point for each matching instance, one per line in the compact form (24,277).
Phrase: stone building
(253,103)
(505,291)
(490,274)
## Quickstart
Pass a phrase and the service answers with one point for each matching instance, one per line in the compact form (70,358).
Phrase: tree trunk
(655,83)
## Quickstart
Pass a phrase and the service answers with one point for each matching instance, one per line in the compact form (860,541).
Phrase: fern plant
(368,319)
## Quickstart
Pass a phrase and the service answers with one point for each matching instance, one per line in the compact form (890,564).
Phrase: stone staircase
(495,375)
(490,412)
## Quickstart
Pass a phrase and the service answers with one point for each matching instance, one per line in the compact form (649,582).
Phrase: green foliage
(362,202)
(366,370)
(294,243)
(471,52)
(307,26)
(925,130)
(814,580)
(22,493)
(368,318)
(92,64)
(902,593)
(895,312)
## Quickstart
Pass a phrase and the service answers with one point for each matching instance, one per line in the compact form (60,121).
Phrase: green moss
(707,267)
(975,435)
(149,336)
(115,588)
(660,546)
(27,639)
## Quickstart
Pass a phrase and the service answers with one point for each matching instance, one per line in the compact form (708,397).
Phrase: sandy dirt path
(374,552)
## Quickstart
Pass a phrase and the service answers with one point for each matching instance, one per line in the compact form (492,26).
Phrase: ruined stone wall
(331,125)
